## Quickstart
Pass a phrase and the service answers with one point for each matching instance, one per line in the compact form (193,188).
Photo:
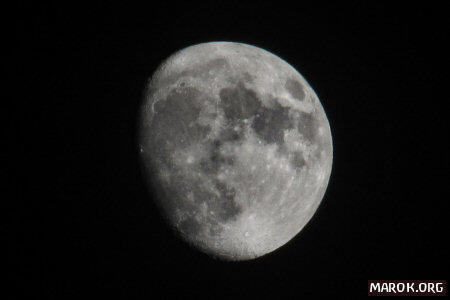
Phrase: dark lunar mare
(295,88)
(308,125)
(174,127)
(239,103)
(270,123)
(297,160)
(174,122)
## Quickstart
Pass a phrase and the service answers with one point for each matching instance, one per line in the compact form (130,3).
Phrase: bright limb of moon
(237,146)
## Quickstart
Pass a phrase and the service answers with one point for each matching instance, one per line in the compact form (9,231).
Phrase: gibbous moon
(237,147)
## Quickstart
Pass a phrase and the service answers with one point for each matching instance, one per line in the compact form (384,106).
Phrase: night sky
(84,224)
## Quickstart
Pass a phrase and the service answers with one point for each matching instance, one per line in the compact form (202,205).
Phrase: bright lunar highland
(236,146)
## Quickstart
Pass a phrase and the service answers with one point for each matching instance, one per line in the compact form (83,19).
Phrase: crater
(295,88)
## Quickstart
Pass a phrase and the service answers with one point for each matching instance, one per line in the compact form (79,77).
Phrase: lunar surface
(237,147)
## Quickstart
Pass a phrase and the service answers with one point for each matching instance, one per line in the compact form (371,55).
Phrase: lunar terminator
(237,147)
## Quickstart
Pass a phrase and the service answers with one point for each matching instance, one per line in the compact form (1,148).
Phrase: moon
(236,146)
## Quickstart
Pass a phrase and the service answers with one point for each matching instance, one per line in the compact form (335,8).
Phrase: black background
(83,223)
